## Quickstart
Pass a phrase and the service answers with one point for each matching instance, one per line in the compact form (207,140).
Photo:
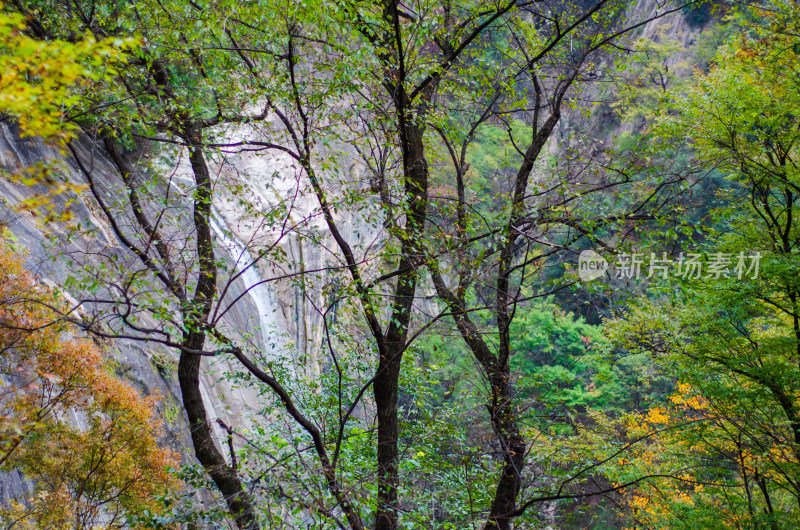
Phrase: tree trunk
(385,386)
(237,499)
(385,389)
(194,317)
(513,447)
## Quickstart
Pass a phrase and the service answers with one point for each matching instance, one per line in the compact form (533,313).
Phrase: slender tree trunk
(195,316)
(205,449)
(386,384)
(513,446)
(385,389)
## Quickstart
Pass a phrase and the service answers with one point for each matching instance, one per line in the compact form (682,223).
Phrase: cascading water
(259,292)
(213,383)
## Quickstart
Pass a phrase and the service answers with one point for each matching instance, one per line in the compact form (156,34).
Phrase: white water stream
(259,292)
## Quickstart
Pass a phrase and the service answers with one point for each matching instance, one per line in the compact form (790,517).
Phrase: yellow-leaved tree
(725,453)
(41,85)
(41,80)
(87,440)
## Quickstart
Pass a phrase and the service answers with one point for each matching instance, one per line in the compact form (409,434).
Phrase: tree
(731,437)
(41,81)
(88,441)
(423,111)
(402,87)
(485,268)
(181,88)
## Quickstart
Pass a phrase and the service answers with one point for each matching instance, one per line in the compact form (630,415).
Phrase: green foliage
(646,77)
(565,364)
(581,396)
(726,447)
(43,81)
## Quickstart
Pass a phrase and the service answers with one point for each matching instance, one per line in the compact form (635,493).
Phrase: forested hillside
(460,264)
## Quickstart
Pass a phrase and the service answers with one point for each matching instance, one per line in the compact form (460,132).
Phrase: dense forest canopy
(430,264)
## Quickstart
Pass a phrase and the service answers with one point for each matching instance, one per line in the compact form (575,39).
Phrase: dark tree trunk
(195,316)
(385,389)
(513,447)
(205,449)
(386,385)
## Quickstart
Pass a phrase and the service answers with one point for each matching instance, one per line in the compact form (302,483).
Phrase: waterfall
(263,297)
(259,292)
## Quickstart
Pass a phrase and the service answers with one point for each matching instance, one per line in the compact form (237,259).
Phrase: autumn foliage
(87,440)
(40,79)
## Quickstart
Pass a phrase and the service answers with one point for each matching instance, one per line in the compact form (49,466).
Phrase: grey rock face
(149,368)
